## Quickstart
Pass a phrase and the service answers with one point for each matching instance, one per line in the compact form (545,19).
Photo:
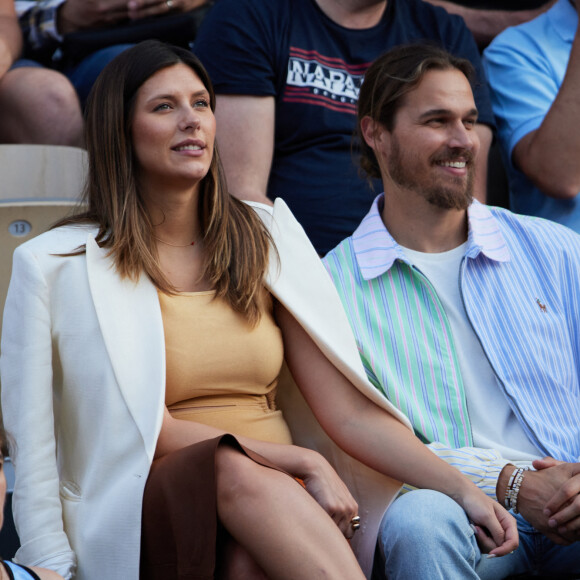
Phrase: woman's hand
(319,478)
(326,487)
(496,530)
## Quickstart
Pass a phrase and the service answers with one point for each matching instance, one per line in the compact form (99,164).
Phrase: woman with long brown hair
(144,340)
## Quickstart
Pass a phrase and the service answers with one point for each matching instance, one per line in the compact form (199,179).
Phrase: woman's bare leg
(235,563)
(280,525)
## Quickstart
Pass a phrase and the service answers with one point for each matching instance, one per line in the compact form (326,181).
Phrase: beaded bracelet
(513,489)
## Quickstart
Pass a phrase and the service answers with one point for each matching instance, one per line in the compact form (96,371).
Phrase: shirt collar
(376,250)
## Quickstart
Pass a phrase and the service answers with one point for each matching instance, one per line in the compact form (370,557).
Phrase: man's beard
(455,195)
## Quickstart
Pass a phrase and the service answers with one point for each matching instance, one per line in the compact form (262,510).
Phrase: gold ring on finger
(355,523)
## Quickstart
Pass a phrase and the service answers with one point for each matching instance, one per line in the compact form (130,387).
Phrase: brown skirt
(180,527)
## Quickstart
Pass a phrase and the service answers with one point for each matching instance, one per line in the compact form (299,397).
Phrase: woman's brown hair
(236,241)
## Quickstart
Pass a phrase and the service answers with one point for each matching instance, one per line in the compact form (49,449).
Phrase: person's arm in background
(44,24)
(485,135)
(144,8)
(82,14)
(536,110)
(240,46)
(10,36)
(549,155)
(246,143)
(485,25)
(74,15)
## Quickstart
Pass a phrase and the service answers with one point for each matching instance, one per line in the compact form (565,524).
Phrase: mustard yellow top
(221,371)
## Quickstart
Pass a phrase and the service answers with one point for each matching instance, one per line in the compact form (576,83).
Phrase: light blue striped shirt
(519,280)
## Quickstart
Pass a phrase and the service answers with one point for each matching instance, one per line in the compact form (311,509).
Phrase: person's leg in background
(84,74)
(38,106)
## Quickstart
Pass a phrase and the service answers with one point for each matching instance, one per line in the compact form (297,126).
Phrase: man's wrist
(503,480)
(513,488)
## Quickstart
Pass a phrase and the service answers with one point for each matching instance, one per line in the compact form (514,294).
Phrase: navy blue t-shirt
(314,68)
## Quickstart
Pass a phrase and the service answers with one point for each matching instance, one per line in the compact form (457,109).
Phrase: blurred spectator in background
(36,105)
(288,73)
(79,37)
(534,73)
(487,18)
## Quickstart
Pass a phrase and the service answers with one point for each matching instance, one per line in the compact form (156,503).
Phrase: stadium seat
(30,172)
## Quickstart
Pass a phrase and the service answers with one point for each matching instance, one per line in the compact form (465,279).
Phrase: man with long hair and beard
(466,318)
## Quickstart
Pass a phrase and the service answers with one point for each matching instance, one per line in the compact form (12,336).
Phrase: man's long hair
(389,79)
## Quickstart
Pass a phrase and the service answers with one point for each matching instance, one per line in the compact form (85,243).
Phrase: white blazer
(83,386)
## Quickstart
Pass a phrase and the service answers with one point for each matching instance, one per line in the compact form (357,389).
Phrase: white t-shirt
(494,424)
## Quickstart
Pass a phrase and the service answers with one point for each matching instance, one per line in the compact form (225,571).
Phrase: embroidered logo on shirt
(542,306)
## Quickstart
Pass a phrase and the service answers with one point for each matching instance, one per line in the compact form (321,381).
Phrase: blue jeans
(24,62)
(85,73)
(426,535)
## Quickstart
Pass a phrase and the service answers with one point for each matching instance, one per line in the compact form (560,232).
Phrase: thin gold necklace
(174,245)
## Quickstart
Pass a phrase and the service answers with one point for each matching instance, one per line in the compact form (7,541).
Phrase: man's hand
(563,509)
(549,488)
(76,15)
(143,8)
